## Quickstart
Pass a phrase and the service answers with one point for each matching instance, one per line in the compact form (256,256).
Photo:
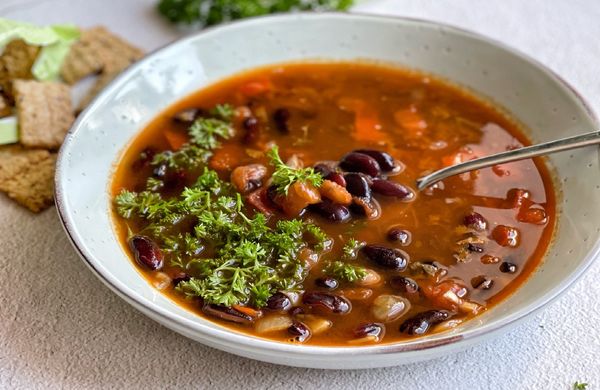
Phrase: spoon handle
(542,149)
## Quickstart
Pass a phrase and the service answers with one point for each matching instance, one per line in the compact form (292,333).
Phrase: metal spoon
(542,149)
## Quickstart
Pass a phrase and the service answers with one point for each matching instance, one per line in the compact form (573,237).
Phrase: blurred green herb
(579,386)
(210,12)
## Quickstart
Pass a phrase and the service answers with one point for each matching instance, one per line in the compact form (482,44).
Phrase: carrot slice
(247,310)
(410,120)
(366,121)
(256,87)
(176,139)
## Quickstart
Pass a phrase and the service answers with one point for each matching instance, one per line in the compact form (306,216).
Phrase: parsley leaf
(579,386)
(345,271)
(351,248)
(189,156)
(285,176)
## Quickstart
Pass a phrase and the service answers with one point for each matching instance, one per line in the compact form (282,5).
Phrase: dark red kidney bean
(422,322)
(385,161)
(332,303)
(508,268)
(358,162)
(482,282)
(146,252)
(281,116)
(188,115)
(389,188)
(357,185)
(323,170)
(399,235)
(180,277)
(251,126)
(175,180)
(279,302)
(227,314)
(336,177)
(370,329)
(366,207)
(390,258)
(296,310)
(332,211)
(404,285)
(475,221)
(327,282)
(300,331)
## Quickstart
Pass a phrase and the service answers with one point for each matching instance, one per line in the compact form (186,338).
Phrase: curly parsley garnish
(344,271)
(249,259)
(351,248)
(285,176)
(579,386)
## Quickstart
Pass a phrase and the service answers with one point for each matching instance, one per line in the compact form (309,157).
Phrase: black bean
(473,248)
(332,211)
(399,235)
(279,302)
(358,162)
(508,268)
(390,258)
(227,313)
(300,331)
(296,310)
(404,285)
(422,322)
(475,221)
(366,207)
(357,185)
(188,115)
(337,177)
(332,303)
(174,180)
(389,188)
(146,252)
(251,126)
(323,169)
(180,277)
(482,282)
(370,329)
(160,171)
(281,116)
(327,282)
(385,161)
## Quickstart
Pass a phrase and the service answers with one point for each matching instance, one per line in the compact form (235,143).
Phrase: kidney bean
(247,178)
(227,314)
(404,285)
(327,282)
(368,207)
(389,188)
(252,128)
(385,161)
(146,252)
(399,235)
(358,162)
(387,308)
(160,171)
(482,282)
(279,302)
(390,258)
(281,116)
(506,236)
(188,115)
(337,177)
(332,303)
(180,277)
(174,180)
(475,221)
(474,248)
(300,331)
(323,169)
(370,329)
(357,185)
(331,211)
(489,259)
(422,322)
(508,268)
(296,310)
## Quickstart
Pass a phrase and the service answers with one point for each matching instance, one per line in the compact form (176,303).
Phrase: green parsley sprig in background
(210,12)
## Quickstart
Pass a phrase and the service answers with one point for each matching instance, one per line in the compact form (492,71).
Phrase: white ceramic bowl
(533,94)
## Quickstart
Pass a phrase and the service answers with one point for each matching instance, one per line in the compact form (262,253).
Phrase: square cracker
(5,109)
(15,63)
(44,113)
(27,176)
(96,49)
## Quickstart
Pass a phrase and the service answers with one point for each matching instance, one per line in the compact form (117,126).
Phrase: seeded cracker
(5,109)
(96,49)
(15,63)
(27,176)
(44,113)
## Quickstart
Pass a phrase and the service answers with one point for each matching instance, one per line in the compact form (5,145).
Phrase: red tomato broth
(438,123)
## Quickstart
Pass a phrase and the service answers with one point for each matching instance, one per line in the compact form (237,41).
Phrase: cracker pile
(44,109)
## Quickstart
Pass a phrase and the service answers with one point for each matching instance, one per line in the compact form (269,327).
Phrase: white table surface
(61,328)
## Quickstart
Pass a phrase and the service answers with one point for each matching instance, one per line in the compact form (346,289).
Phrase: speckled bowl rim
(222,335)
